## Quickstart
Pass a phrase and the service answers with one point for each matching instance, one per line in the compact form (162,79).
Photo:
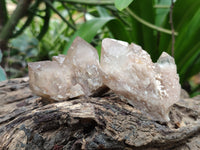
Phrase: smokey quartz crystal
(129,71)
(126,69)
(74,75)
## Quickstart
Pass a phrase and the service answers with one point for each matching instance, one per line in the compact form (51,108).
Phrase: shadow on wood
(106,122)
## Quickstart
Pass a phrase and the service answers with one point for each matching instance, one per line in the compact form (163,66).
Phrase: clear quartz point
(84,61)
(50,80)
(129,71)
(126,69)
(74,75)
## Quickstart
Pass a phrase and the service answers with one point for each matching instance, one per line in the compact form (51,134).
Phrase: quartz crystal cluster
(129,71)
(126,69)
(69,76)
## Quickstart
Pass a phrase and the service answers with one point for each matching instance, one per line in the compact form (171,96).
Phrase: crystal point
(74,75)
(60,58)
(84,60)
(129,71)
(126,69)
(48,79)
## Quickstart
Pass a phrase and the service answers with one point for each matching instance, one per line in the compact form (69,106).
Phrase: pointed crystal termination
(59,59)
(69,76)
(84,61)
(50,80)
(129,71)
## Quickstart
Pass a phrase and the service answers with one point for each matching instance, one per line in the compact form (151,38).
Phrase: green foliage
(1,55)
(88,30)
(187,47)
(22,49)
(122,4)
(143,35)
(144,22)
(161,9)
(2,72)
(55,40)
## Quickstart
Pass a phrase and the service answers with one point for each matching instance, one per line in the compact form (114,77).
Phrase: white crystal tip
(165,58)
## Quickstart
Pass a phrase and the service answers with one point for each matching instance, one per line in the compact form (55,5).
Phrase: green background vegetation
(35,30)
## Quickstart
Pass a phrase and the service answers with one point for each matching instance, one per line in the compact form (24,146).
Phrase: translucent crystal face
(129,71)
(49,79)
(84,60)
(69,76)
(126,69)
(59,59)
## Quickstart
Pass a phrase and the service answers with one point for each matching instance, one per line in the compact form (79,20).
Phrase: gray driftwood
(106,122)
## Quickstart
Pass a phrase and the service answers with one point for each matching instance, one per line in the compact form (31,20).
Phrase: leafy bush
(144,22)
(2,72)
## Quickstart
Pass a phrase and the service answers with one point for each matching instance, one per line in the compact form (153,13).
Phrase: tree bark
(107,122)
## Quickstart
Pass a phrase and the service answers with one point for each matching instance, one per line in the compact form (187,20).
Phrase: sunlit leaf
(162,11)
(1,55)
(119,30)
(88,30)
(122,4)
(2,74)
(103,12)
(144,35)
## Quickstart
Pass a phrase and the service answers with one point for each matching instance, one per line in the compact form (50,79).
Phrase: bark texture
(106,122)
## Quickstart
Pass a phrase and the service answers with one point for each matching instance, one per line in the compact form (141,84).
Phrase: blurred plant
(152,25)
(22,49)
(156,25)
(186,20)
(2,72)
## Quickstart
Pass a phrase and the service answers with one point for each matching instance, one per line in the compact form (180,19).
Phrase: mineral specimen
(69,76)
(129,71)
(49,79)
(84,61)
(126,69)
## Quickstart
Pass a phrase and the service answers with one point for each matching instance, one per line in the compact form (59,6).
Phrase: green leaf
(116,27)
(98,48)
(2,74)
(195,94)
(191,65)
(88,30)
(121,4)
(144,35)
(187,46)
(118,30)
(102,11)
(188,7)
(161,13)
(1,55)
(194,67)
(180,21)
(191,30)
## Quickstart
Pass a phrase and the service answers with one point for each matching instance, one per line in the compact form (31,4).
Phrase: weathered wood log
(107,122)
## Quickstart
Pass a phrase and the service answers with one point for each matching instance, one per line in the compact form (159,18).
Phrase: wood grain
(106,122)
